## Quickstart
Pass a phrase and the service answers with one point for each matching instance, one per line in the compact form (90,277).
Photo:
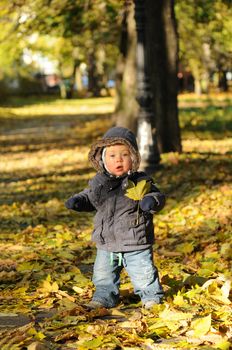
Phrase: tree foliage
(205,30)
(92,26)
(88,28)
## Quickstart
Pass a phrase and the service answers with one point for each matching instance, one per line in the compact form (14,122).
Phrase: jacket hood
(115,135)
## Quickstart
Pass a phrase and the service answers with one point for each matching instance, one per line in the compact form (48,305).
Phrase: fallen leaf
(201,325)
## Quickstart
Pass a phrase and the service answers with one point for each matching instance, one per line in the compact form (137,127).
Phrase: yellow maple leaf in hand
(137,192)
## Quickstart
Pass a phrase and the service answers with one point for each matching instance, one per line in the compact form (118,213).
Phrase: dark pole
(146,132)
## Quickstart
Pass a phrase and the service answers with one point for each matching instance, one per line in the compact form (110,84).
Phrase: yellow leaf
(218,294)
(32,331)
(205,272)
(226,289)
(201,326)
(223,345)
(78,290)
(208,266)
(81,280)
(185,248)
(20,290)
(221,299)
(173,315)
(25,266)
(162,224)
(54,287)
(40,336)
(226,250)
(66,255)
(118,313)
(48,278)
(128,324)
(50,287)
(179,300)
(66,295)
(58,228)
(67,236)
(94,343)
(137,192)
(46,286)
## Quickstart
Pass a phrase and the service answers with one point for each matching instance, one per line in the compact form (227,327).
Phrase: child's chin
(120,173)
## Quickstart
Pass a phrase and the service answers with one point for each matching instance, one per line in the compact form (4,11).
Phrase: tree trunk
(96,60)
(93,83)
(78,80)
(197,86)
(161,35)
(223,84)
(126,105)
(163,47)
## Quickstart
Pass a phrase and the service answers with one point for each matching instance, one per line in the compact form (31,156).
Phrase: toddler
(123,228)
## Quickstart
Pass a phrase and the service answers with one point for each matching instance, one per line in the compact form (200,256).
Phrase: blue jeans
(140,268)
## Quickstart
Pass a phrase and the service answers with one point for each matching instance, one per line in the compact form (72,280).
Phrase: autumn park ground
(46,256)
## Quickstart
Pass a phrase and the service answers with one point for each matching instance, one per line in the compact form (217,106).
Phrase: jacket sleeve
(159,198)
(80,202)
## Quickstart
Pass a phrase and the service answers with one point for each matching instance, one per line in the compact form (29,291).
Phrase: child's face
(118,159)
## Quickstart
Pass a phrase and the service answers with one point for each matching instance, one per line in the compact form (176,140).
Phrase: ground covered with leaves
(46,256)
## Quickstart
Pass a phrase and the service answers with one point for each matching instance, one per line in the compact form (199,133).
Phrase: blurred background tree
(91,38)
(162,47)
(87,48)
(70,33)
(205,31)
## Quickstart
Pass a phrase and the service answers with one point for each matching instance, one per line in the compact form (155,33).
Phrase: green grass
(47,100)
(206,122)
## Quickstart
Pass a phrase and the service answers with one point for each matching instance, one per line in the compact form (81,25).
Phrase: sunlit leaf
(40,336)
(223,345)
(66,255)
(179,300)
(32,331)
(173,315)
(201,325)
(93,344)
(78,290)
(226,249)
(137,192)
(185,248)
(225,289)
(66,295)
(49,287)
(59,228)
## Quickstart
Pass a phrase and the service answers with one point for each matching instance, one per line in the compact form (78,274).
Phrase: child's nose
(119,158)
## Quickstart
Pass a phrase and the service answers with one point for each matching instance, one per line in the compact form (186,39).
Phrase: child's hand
(80,202)
(72,203)
(69,203)
(148,203)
